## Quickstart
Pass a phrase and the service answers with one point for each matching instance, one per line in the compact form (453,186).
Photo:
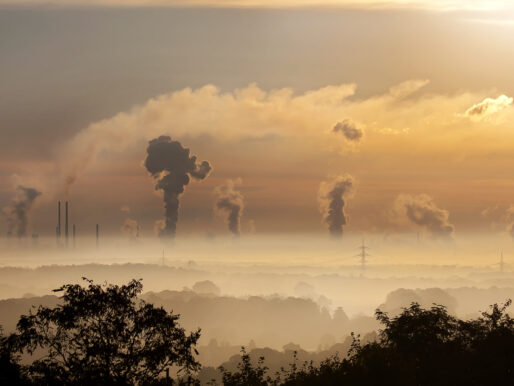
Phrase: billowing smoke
(18,210)
(171,166)
(130,227)
(230,201)
(332,195)
(422,210)
(349,129)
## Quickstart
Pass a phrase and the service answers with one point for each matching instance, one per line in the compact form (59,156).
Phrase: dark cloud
(171,166)
(350,131)
(18,210)
(422,210)
(230,201)
(332,196)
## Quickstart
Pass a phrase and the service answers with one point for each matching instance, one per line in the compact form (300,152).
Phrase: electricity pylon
(363,255)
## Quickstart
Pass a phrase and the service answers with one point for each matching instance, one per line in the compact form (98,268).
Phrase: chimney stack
(97,235)
(58,219)
(66,223)
(73,235)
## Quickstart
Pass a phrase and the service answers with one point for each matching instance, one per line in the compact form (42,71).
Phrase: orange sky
(433,101)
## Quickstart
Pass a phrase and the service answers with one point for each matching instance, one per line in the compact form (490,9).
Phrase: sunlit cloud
(488,106)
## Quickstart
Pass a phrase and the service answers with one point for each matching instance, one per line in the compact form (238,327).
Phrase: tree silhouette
(104,335)
(246,373)
(10,370)
(418,347)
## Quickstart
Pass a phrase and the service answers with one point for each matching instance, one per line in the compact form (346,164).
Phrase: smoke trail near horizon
(130,227)
(331,196)
(509,219)
(231,202)
(423,211)
(18,210)
(171,166)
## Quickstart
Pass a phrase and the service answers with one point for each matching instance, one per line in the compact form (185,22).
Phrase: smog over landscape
(293,180)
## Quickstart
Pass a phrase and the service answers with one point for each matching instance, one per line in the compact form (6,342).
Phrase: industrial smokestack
(97,234)
(66,223)
(73,234)
(59,219)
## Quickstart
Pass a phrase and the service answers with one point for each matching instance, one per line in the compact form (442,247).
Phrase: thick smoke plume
(230,201)
(332,195)
(18,210)
(171,166)
(422,210)
(349,130)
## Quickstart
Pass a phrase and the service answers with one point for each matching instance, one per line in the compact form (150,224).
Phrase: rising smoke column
(18,210)
(423,211)
(171,166)
(231,202)
(332,195)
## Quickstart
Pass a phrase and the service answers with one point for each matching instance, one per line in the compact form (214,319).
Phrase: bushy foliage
(418,347)
(103,335)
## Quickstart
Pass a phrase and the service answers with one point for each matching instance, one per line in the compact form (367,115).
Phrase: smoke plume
(131,228)
(350,131)
(332,195)
(18,210)
(422,210)
(230,201)
(171,166)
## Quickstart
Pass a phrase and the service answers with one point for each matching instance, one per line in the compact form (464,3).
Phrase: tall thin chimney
(59,219)
(73,235)
(66,223)
(97,235)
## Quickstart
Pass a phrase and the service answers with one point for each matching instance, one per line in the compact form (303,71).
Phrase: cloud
(349,130)
(488,106)
(243,113)
(331,197)
(282,114)
(230,201)
(422,211)
(407,88)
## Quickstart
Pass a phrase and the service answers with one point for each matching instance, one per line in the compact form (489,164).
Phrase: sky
(410,101)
